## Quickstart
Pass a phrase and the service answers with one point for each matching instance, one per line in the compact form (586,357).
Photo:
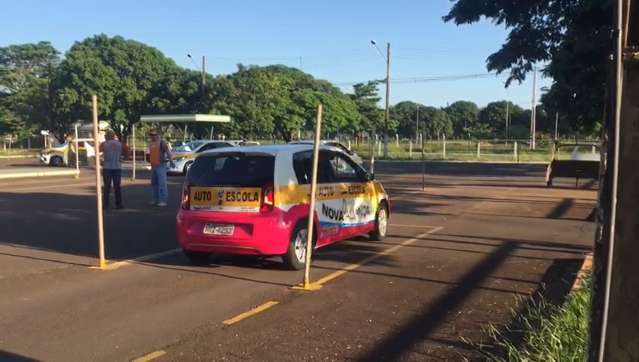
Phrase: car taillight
(267,198)
(186,197)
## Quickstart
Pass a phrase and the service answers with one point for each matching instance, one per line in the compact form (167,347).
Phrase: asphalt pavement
(460,254)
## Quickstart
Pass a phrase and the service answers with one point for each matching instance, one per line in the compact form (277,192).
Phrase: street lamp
(386,110)
(203,69)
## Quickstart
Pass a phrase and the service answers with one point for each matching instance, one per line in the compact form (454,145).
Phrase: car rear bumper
(254,233)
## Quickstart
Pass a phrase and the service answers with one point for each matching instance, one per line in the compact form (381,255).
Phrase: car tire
(197,257)
(295,257)
(187,166)
(56,161)
(381,223)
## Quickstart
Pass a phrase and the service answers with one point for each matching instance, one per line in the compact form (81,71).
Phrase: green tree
(435,122)
(405,116)
(129,78)
(492,119)
(572,37)
(366,98)
(463,115)
(25,87)
(278,101)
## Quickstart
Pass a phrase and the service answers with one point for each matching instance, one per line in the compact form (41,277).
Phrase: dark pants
(112,176)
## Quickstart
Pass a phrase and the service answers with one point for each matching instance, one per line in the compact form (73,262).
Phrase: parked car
(255,200)
(184,155)
(333,143)
(57,156)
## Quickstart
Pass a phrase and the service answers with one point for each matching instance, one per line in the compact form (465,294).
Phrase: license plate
(219,229)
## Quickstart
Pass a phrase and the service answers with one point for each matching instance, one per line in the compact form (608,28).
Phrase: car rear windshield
(232,170)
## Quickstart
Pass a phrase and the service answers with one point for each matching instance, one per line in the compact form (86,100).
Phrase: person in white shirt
(112,150)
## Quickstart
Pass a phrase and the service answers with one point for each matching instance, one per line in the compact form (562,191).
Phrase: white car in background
(184,155)
(333,143)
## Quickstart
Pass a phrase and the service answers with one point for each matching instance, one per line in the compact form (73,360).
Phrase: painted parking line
(371,258)
(151,356)
(119,264)
(259,309)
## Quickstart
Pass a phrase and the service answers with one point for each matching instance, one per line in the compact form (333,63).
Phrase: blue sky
(329,39)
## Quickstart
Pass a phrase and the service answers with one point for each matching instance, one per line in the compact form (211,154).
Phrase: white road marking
(378,255)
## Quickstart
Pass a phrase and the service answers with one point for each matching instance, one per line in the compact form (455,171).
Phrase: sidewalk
(22,172)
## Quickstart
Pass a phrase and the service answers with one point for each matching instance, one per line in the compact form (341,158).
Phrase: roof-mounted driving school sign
(202,118)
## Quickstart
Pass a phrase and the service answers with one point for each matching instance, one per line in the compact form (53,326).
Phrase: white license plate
(219,229)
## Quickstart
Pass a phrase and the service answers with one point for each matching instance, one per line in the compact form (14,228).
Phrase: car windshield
(188,147)
(232,170)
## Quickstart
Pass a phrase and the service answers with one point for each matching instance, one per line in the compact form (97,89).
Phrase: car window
(206,147)
(332,167)
(341,147)
(303,164)
(344,170)
(232,170)
(221,145)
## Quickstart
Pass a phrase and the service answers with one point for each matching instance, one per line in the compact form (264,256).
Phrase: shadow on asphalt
(465,169)
(66,223)
(12,357)
(417,329)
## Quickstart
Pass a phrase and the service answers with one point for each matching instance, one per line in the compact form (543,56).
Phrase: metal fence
(465,150)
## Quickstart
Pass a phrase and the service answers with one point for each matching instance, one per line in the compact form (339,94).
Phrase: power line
(439,78)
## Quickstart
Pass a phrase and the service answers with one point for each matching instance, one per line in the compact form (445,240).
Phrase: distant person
(159,156)
(112,150)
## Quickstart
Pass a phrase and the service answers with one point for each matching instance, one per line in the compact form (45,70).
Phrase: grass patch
(546,332)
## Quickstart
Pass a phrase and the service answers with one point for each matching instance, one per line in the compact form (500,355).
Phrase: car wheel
(381,223)
(197,257)
(295,257)
(56,161)
(187,166)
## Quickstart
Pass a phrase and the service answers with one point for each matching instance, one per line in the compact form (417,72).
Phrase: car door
(326,207)
(355,202)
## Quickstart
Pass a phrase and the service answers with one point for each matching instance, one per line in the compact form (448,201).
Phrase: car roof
(271,149)
(312,141)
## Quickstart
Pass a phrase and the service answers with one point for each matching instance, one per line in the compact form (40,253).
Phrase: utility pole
(386,112)
(556,125)
(507,118)
(533,113)
(613,326)
(203,76)
(417,125)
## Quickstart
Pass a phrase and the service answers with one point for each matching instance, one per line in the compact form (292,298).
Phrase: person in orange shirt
(159,156)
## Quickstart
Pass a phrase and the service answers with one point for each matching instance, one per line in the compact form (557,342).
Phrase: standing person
(112,150)
(159,156)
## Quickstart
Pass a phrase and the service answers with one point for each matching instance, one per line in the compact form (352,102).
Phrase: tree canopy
(129,77)
(25,91)
(571,38)
(39,90)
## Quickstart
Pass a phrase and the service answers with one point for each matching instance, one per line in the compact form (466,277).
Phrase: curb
(29,174)
(10,157)
(586,266)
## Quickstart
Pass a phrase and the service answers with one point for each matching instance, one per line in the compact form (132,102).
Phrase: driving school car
(255,200)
